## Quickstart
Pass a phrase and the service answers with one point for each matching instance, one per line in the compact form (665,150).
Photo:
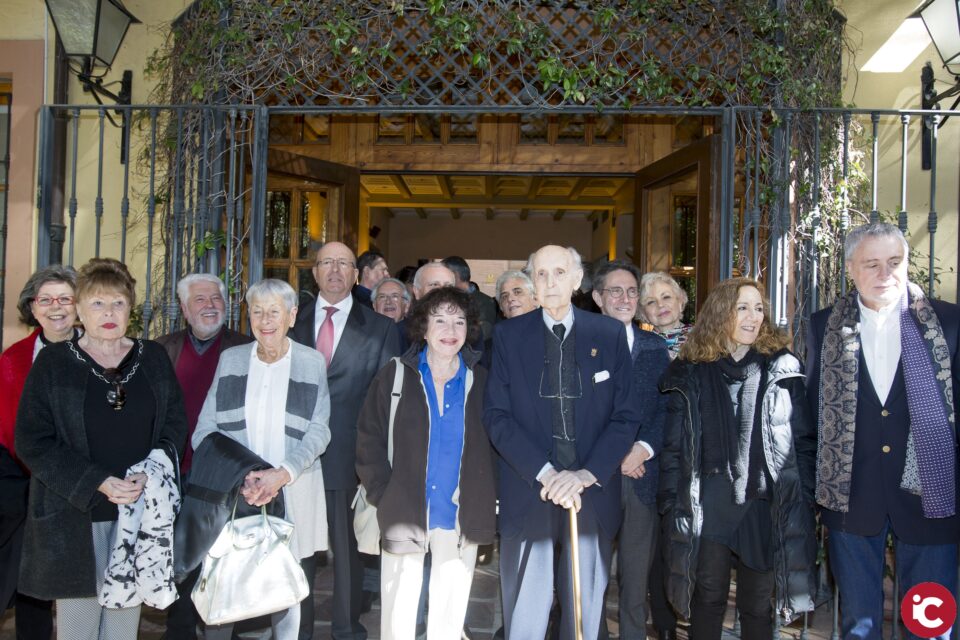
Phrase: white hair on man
(576,261)
(183,287)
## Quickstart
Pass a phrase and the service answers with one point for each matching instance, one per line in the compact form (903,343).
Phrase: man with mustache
(195,353)
(355,341)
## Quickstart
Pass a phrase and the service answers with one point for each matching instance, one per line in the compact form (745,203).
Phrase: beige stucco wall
(871,23)
(22,47)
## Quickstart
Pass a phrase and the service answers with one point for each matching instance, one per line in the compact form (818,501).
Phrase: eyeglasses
(46,301)
(617,292)
(117,396)
(328,263)
(383,297)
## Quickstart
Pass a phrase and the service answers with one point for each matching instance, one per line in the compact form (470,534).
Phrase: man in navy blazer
(616,290)
(560,412)
(873,400)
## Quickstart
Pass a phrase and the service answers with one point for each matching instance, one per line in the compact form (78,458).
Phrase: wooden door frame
(344,179)
(700,157)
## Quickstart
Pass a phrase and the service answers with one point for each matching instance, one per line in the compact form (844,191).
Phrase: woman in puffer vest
(737,470)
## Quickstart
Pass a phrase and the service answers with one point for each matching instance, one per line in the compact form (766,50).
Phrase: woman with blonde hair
(662,301)
(737,469)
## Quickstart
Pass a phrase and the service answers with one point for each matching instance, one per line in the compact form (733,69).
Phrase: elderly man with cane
(560,412)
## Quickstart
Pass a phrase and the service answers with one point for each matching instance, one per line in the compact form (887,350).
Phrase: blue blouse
(445,447)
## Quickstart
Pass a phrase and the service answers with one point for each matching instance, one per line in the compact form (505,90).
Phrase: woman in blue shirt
(438,494)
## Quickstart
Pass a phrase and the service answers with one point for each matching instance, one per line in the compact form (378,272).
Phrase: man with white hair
(195,352)
(882,379)
(391,298)
(515,294)
(560,411)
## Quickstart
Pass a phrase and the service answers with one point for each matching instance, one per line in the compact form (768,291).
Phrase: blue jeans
(857,566)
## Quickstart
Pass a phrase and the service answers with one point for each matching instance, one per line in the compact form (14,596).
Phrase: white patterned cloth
(140,568)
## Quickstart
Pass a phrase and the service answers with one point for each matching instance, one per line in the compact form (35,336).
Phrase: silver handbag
(249,571)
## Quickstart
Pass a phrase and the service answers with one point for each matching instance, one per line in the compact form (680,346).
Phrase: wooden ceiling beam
(578,188)
(534,187)
(421,212)
(500,202)
(490,186)
(444,182)
(558,215)
(400,185)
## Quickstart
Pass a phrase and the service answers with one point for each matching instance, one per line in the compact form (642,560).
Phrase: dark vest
(560,383)
(879,454)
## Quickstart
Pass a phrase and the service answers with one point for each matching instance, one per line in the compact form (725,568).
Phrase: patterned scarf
(930,458)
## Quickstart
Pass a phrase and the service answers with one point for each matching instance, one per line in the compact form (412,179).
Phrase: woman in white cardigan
(271,396)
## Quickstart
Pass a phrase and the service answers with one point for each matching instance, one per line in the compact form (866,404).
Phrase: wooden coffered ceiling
(427,195)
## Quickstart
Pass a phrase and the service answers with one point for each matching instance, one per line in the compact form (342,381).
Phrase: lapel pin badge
(593,352)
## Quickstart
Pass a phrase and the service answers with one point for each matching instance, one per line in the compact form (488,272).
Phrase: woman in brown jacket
(438,495)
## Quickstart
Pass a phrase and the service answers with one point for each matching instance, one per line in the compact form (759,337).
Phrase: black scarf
(734,430)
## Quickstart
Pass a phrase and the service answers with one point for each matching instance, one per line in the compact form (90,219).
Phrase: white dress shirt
(339,319)
(566,322)
(266,405)
(880,341)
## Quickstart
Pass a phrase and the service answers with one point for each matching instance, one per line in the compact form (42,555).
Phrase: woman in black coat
(737,470)
(91,408)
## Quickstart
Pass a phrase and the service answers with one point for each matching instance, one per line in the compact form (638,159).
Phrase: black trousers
(664,619)
(182,616)
(712,589)
(33,618)
(347,574)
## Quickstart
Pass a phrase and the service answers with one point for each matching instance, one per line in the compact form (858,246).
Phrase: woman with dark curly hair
(737,469)
(433,484)
(47,303)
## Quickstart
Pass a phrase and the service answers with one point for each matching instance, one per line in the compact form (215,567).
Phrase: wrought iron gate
(191,197)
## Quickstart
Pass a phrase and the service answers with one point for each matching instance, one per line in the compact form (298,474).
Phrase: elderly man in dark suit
(560,411)
(355,341)
(882,368)
(195,353)
(616,290)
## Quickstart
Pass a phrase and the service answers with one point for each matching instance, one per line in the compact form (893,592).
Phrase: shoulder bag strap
(394,401)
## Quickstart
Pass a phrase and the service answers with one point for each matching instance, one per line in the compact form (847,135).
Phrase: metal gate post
(258,192)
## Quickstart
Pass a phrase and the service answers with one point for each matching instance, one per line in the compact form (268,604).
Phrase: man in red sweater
(195,352)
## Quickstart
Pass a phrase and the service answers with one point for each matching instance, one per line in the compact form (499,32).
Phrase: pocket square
(600,376)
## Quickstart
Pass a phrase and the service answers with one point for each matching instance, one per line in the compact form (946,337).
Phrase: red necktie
(325,336)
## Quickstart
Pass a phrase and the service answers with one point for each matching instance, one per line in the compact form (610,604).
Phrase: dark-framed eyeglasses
(116,395)
(617,292)
(46,301)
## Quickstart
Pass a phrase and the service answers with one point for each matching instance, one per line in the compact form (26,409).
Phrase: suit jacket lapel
(303,328)
(352,339)
(534,354)
(586,349)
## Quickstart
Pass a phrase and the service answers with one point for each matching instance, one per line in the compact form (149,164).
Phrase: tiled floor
(483,616)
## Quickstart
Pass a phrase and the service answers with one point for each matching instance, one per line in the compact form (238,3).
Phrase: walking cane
(575,562)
